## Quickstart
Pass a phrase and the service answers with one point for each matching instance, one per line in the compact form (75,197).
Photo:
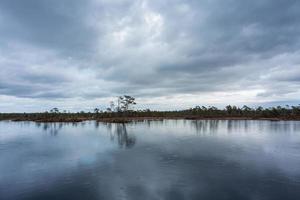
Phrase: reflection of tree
(97,124)
(52,128)
(119,132)
(205,126)
(234,125)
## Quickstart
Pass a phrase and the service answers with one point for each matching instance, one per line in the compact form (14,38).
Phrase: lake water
(170,159)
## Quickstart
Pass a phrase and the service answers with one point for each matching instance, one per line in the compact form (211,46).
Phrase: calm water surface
(168,159)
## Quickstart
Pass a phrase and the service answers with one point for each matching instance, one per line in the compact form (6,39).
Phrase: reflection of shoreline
(51,128)
(54,128)
(213,126)
(205,126)
(119,132)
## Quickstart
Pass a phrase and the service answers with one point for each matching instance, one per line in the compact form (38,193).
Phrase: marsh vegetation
(230,112)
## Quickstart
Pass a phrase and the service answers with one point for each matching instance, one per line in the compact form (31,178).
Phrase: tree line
(123,106)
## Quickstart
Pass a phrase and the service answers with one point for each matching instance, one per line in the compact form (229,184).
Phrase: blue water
(170,159)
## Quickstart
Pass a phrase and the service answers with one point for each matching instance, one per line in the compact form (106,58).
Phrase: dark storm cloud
(101,48)
(234,33)
(50,24)
(212,36)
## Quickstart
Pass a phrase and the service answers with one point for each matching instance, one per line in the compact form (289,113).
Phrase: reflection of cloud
(199,169)
(241,160)
(42,161)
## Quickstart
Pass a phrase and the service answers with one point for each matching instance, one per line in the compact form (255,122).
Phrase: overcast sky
(79,54)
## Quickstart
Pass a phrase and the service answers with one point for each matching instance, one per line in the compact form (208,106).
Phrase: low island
(121,113)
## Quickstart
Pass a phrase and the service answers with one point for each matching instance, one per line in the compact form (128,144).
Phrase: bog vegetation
(122,110)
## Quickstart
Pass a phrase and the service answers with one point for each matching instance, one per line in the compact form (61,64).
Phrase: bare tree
(125,102)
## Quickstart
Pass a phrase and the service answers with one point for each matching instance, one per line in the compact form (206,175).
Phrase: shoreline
(137,119)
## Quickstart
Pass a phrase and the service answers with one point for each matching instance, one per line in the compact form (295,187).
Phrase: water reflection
(97,124)
(119,132)
(51,128)
(173,159)
(205,126)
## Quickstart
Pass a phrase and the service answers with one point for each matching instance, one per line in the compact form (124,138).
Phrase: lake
(168,159)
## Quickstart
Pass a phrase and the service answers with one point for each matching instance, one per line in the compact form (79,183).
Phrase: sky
(172,54)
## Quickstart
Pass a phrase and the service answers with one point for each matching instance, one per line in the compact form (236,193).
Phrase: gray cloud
(98,49)
(59,25)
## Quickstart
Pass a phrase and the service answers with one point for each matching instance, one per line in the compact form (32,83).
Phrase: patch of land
(197,113)
(125,119)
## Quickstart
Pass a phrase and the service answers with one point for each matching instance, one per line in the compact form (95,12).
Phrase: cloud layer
(79,54)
